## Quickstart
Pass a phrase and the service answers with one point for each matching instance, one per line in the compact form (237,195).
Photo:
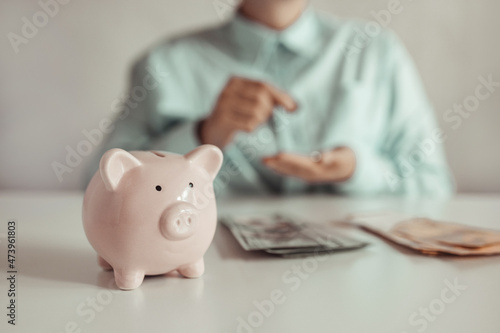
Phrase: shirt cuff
(181,139)
(372,173)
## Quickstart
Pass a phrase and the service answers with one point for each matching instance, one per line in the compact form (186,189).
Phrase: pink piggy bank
(150,213)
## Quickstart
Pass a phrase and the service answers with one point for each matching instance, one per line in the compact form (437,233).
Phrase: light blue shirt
(352,89)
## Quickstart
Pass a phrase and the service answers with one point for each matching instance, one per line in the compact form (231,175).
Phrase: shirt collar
(302,37)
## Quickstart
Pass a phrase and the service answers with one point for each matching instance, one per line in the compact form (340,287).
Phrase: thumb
(282,98)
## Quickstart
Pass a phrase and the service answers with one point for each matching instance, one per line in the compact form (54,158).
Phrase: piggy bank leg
(128,279)
(193,270)
(104,264)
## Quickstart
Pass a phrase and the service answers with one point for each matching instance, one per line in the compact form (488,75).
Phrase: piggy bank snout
(179,221)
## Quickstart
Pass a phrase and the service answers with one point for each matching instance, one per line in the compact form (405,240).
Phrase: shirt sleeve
(410,159)
(180,139)
(152,115)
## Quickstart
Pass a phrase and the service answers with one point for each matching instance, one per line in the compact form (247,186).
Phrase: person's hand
(336,165)
(243,105)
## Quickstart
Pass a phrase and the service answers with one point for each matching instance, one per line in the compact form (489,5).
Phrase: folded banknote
(430,236)
(287,236)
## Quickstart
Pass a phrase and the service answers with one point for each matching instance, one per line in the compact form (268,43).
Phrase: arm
(410,161)
(151,115)
(164,117)
(395,146)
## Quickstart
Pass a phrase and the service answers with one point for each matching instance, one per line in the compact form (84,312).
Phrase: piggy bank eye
(158,188)
(191,185)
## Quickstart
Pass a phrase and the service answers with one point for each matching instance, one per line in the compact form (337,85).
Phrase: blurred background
(61,77)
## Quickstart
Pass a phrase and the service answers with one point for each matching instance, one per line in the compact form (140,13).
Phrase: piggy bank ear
(208,157)
(115,163)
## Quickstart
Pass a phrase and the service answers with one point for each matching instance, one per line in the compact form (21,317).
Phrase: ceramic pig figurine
(150,213)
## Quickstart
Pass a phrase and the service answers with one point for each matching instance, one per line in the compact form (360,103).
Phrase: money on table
(430,236)
(287,236)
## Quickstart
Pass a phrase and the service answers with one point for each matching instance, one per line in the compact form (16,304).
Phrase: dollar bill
(287,236)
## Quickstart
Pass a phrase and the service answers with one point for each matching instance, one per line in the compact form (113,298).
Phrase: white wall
(67,76)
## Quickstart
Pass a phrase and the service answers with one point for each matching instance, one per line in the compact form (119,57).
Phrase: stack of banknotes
(287,236)
(430,236)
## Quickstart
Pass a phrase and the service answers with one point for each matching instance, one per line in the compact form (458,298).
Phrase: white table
(60,288)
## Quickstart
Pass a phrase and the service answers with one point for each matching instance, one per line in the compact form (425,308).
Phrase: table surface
(380,288)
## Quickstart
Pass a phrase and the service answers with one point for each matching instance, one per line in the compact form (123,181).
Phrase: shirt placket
(280,121)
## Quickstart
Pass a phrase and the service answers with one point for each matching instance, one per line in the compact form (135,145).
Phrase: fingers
(240,122)
(281,98)
(243,115)
(288,159)
(263,92)
(291,165)
(246,104)
(256,108)
(243,105)
(338,165)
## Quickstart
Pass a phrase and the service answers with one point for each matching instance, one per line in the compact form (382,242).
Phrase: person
(299,102)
